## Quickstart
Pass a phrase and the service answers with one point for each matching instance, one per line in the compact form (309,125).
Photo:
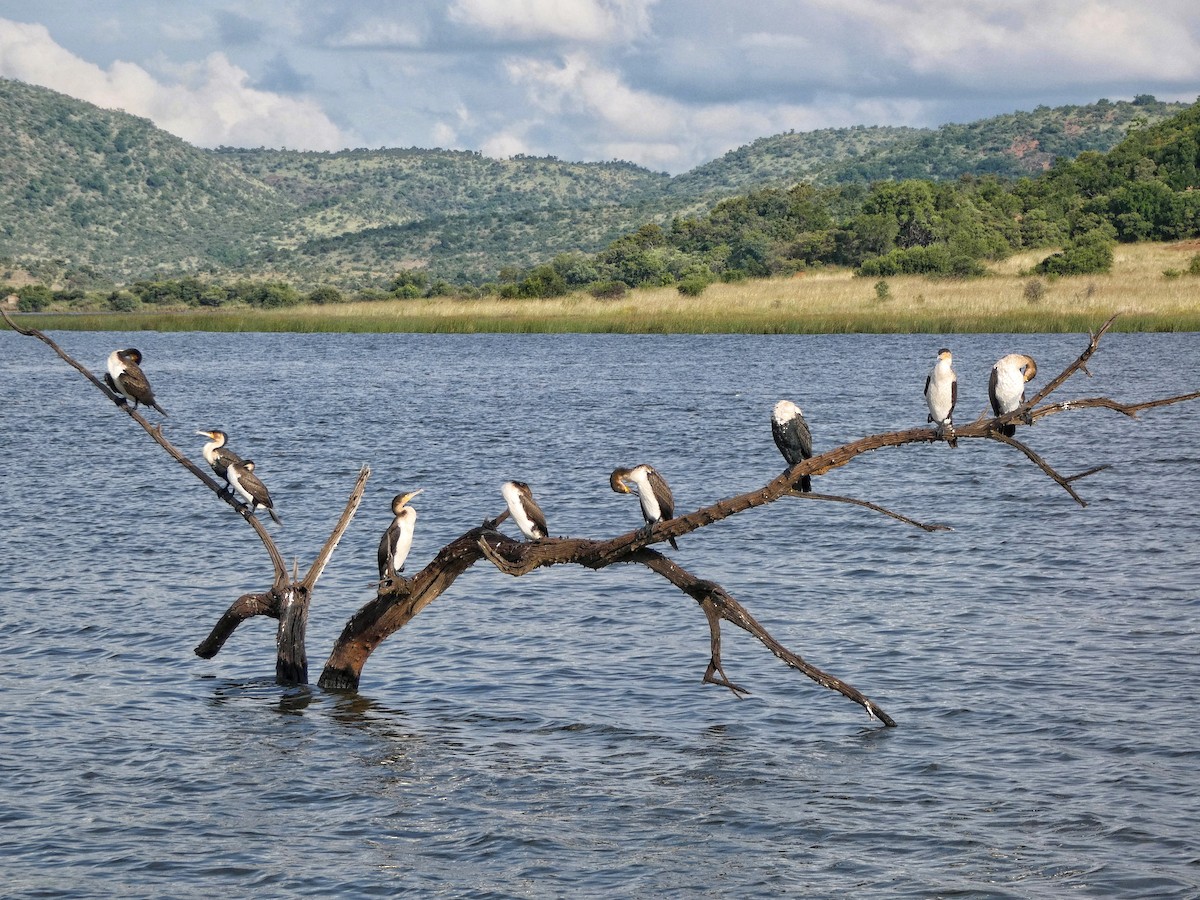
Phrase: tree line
(1144,189)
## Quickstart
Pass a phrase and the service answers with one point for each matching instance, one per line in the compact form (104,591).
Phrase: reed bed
(826,302)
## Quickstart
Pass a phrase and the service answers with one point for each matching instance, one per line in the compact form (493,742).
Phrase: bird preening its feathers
(126,379)
(1006,391)
(1006,387)
(654,494)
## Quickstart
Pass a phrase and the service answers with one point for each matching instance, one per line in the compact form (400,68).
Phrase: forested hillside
(1145,188)
(94,197)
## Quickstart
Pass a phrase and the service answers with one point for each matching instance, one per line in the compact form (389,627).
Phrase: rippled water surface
(549,735)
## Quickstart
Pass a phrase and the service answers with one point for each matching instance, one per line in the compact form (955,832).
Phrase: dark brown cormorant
(126,378)
(792,436)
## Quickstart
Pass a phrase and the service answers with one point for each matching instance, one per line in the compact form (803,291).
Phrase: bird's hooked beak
(207,434)
(617,482)
(1030,369)
(407,497)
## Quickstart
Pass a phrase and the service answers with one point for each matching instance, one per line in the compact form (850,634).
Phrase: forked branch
(397,601)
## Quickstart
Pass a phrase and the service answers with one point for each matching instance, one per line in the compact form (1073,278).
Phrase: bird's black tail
(805,484)
(1008,430)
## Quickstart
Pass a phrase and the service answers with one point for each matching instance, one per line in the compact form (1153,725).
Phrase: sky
(667,84)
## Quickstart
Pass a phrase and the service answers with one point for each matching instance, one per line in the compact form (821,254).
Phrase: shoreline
(1138,289)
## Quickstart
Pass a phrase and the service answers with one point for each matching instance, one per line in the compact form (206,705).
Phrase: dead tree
(398,600)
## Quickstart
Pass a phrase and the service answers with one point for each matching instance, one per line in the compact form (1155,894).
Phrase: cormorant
(218,456)
(941,393)
(792,436)
(1006,386)
(126,378)
(243,480)
(654,494)
(524,509)
(397,540)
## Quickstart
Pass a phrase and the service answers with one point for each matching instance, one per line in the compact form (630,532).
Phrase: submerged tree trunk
(398,600)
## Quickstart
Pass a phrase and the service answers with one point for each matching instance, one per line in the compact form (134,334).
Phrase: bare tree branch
(835,498)
(335,536)
(398,600)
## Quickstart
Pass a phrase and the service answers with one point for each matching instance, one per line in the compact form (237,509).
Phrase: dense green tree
(34,297)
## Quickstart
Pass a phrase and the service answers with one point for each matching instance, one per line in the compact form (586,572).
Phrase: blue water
(549,735)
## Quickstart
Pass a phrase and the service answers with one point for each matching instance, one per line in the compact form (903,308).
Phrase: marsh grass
(821,302)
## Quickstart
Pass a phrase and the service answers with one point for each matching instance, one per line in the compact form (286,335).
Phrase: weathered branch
(393,608)
(718,604)
(335,536)
(287,600)
(398,600)
(245,607)
(866,504)
(155,432)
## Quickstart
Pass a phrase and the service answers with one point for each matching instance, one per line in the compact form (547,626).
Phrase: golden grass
(822,302)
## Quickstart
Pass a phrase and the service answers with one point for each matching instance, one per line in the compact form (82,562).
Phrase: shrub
(1088,254)
(608,290)
(1035,290)
(1194,265)
(277,295)
(693,285)
(882,291)
(325,294)
(34,298)
(122,301)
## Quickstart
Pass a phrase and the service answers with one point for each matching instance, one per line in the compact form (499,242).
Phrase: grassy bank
(825,302)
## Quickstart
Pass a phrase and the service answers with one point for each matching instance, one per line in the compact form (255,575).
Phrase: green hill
(90,197)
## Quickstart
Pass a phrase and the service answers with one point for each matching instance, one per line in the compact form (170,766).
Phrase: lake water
(549,735)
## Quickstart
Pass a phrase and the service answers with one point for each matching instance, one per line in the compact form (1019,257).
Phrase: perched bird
(397,540)
(243,480)
(792,436)
(941,393)
(218,456)
(654,494)
(1006,386)
(524,509)
(126,378)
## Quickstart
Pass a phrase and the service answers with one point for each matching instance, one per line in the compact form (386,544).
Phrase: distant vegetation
(113,213)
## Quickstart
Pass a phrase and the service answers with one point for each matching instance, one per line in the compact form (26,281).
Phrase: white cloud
(378,34)
(1048,42)
(586,21)
(212,104)
(581,87)
(504,145)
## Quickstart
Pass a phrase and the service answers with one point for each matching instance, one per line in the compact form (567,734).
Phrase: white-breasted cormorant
(941,393)
(397,540)
(524,509)
(654,494)
(217,455)
(243,480)
(1006,386)
(126,378)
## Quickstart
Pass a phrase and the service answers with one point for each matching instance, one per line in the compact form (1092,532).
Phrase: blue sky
(668,84)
